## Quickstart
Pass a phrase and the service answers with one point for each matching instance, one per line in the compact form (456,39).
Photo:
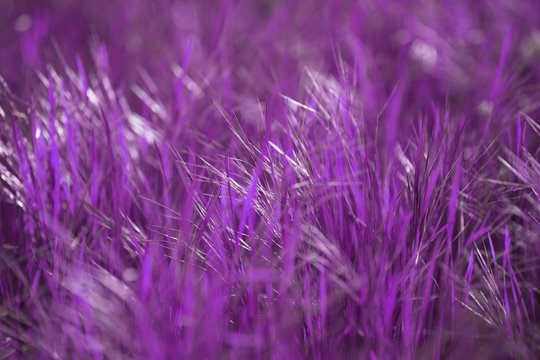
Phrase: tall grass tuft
(269,179)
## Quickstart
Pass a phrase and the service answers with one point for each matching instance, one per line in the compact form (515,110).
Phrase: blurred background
(432,49)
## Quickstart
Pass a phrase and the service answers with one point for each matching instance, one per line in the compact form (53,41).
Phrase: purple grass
(270,179)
